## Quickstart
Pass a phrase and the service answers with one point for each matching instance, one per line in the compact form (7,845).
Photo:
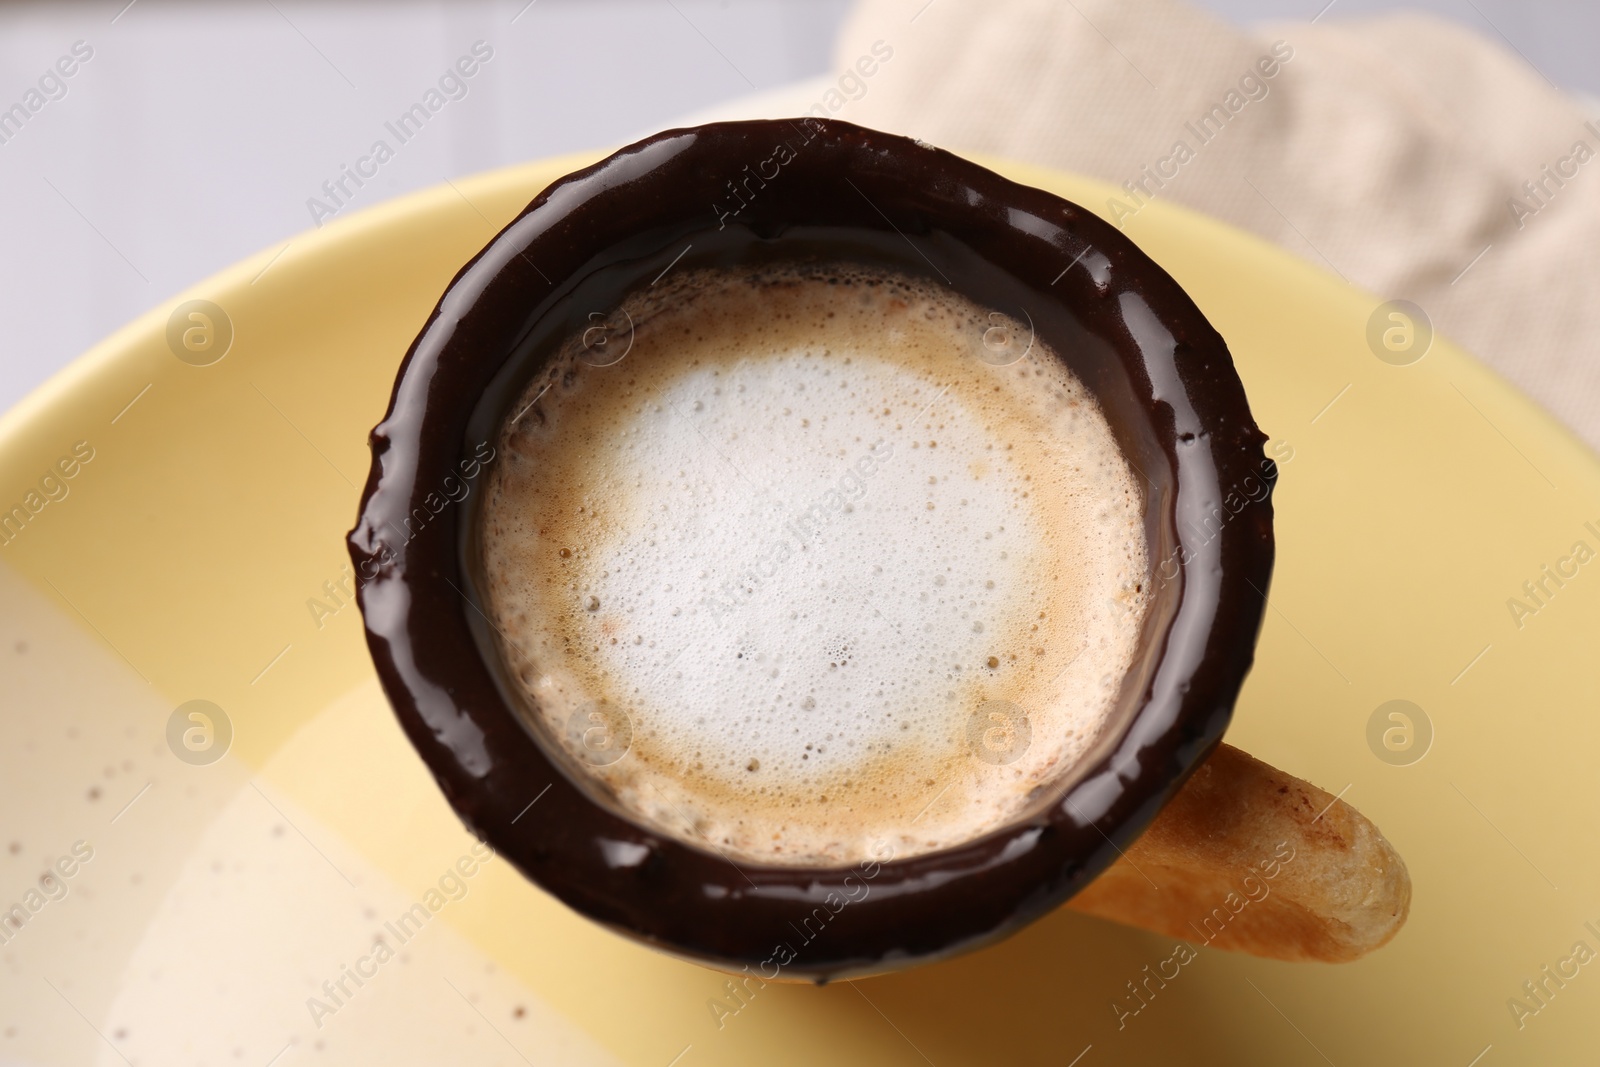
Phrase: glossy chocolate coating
(811,187)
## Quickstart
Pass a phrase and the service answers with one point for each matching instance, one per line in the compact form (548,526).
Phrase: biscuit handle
(1250,859)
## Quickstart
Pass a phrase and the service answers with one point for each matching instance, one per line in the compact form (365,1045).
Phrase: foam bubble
(846,577)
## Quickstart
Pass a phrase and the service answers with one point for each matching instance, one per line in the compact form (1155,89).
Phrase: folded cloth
(1413,157)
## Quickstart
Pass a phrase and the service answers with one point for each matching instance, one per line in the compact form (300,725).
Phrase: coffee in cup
(819,558)
(715,620)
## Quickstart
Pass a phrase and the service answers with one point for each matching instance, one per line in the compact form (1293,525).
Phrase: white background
(196,133)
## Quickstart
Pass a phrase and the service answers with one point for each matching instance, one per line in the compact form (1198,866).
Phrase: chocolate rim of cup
(1170,393)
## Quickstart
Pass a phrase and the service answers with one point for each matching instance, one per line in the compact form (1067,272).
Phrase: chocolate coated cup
(733,193)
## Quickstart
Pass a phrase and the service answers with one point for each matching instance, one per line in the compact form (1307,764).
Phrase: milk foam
(806,573)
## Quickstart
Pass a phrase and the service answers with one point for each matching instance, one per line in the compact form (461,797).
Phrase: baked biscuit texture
(1251,859)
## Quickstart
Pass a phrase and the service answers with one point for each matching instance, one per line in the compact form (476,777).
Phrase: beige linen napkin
(1415,158)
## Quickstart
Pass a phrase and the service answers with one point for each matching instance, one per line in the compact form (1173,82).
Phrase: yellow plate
(232,910)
